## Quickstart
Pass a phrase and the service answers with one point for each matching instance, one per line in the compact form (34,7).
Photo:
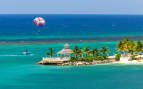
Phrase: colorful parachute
(39,21)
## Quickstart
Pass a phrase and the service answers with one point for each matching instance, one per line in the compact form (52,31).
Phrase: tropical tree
(76,51)
(120,46)
(86,51)
(80,52)
(132,47)
(105,51)
(125,45)
(50,52)
(97,52)
(94,52)
(139,46)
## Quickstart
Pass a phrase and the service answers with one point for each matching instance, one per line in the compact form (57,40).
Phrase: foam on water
(16,55)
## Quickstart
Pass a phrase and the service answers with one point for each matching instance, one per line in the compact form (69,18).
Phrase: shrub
(117,57)
(87,59)
(104,57)
(73,59)
(100,58)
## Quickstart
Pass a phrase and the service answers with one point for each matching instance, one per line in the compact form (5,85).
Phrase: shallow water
(109,76)
(21,72)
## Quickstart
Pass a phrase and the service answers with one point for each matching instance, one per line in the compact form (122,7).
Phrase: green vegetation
(105,51)
(124,47)
(127,46)
(85,54)
(117,57)
(87,59)
(50,52)
(88,55)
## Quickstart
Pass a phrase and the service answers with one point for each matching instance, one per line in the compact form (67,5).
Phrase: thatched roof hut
(66,50)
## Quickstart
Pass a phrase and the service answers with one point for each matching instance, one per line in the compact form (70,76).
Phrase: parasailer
(39,22)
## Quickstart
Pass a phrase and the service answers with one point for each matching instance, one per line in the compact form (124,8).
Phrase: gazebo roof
(66,50)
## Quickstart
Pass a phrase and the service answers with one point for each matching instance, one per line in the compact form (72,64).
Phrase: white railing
(56,58)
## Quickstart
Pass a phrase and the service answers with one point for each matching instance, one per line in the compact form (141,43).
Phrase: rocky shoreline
(77,63)
(80,63)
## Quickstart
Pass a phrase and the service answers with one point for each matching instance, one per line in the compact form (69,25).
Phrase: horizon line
(63,14)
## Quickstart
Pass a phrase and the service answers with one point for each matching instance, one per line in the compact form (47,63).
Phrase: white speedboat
(26,53)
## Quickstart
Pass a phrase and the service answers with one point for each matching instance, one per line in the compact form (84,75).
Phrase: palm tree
(50,52)
(86,51)
(105,51)
(119,46)
(80,52)
(126,39)
(124,46)
(97,52)
(91,53)
(76,51)
(132,47)
(94,52)
(139,46)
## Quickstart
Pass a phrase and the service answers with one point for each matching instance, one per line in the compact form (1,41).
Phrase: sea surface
(70,27)
(18,71)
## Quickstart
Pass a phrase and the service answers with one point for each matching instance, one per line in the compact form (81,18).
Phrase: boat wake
(18,55)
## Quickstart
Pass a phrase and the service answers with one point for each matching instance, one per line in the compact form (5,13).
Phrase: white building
(64,55)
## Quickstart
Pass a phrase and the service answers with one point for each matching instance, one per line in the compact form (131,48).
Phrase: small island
(128,51)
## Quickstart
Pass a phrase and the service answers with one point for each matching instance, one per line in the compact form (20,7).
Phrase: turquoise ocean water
(21,72)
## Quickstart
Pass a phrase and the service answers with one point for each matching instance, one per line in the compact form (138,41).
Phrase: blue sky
(71,6)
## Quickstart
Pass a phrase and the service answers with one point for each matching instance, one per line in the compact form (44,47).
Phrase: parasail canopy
(39,21)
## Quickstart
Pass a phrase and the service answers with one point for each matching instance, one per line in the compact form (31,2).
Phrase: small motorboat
(26,52)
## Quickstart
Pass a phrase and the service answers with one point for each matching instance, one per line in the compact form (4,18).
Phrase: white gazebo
(64,55)
(66,51)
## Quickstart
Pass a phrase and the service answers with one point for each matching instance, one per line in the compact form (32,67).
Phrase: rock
(78,63)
